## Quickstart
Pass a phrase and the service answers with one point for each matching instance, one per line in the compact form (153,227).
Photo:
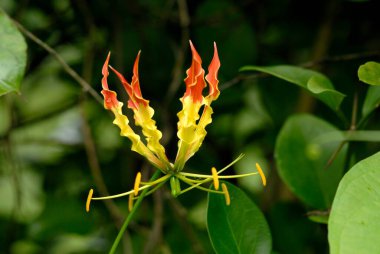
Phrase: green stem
(342,117)
(131,214)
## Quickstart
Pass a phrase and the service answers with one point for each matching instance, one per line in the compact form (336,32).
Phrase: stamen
(215,178)
(130,202)
(226,194)
(137,184)
(263,179)
(148,185)
(89,197)
(219,176)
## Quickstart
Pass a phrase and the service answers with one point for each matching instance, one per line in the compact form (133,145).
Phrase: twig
(89,143)
(9,161)
(306,102)
(155,235)
(15,173)
(86,87)
(310,64)
(354,112)
(180,214)
(96,173)
(343,58)
(184,21)
(241,77)
(318,213)
(335,154)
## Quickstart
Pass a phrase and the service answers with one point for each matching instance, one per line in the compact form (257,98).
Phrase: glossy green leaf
(354,223)
(371,101)
(302,156)
(316,83)
(12,56)
(239,227)
(370,73)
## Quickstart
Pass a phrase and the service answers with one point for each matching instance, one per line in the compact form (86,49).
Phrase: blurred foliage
(54,137)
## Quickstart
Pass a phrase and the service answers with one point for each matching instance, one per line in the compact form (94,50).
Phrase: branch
(155,235)
(332,59)
(184,21)
(180,214)
(86,87)
(342,58)
(96,172)
(89,143)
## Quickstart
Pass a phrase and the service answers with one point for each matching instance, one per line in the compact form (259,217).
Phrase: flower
(192,121)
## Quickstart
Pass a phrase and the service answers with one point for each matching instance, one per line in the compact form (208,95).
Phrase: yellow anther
(89,197)
(226,194)
(137,184)
(130,201)
(215,178)
(263,179)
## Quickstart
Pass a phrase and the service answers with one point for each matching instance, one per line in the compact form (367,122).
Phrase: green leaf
(370,73)
(239,227)
(316,83)
(372,100)
(354,223)
(12,56)
(302,156)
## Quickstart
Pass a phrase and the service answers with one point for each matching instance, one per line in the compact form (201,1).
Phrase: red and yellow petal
(191,125)
(143,113)
(111,103)
(110,99)
(195,82)
(212,76)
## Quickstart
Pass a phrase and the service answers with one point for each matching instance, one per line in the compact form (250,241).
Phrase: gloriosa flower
(191,129)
